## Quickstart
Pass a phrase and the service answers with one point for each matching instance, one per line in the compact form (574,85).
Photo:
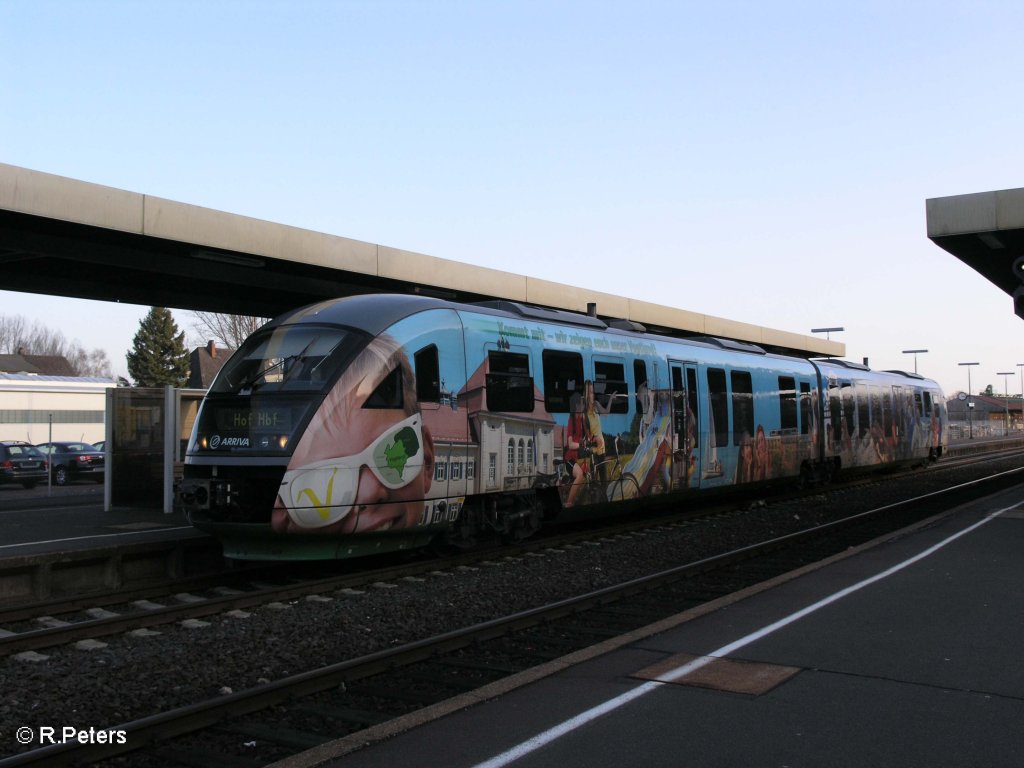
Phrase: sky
(762,162)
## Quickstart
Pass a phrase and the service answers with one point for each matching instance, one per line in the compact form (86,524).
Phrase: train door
(685,425)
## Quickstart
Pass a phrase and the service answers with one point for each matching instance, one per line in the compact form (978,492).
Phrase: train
(377,423)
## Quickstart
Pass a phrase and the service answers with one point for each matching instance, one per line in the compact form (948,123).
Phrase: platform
(906,653)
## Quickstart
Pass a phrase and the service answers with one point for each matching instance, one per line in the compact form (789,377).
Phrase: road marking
(584,718)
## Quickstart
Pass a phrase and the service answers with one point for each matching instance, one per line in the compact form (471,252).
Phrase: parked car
(21,463)
(101,445)
(73,461)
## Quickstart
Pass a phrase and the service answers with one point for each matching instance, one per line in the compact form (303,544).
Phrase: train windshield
(290,358)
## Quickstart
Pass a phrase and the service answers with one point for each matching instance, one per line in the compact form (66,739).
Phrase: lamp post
(970,394)
(828,331)
(1006,396)
(915,353)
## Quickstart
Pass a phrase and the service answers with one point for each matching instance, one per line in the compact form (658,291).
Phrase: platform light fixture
(970,404)
(234,259)
(827,331)
(1006,399)
(915,353)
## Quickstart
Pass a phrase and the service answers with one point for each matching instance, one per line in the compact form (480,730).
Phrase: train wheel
(626,487)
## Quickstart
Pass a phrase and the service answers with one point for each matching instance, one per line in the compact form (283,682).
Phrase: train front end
(285,464)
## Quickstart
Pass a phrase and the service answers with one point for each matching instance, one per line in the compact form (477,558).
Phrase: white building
(74,406)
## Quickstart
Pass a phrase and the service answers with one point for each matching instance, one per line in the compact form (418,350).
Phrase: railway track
(35,627)
(278,718)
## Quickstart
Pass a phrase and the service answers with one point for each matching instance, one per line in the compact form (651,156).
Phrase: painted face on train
(366,461)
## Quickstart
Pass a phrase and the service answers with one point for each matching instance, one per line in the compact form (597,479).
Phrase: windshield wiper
(251,382)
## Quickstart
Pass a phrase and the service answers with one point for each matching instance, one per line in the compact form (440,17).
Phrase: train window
(918,404)
(805,408)
(849,407)
(887,413)
(610,389)
(863,415)
(639,380)
(389,393)
(835,410)
(509,385)
(718,395)
(876,410)
(927,403)
(787,402)
(293,358)
(563,377)
(742,406)
(639,373)
(428,375)
(693,428)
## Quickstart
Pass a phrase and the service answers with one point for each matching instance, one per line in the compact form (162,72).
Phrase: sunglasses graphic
(324,492)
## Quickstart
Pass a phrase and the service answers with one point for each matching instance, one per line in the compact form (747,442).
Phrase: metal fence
(962,430)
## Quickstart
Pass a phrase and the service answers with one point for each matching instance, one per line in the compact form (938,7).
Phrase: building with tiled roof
(205,363)
(40,365)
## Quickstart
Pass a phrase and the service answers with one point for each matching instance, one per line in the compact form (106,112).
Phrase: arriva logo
(228,442)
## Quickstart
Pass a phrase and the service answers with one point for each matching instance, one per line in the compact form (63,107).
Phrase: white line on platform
(96,536)
(568,726)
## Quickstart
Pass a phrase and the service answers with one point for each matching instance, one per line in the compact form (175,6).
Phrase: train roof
(833,362)
(374,313)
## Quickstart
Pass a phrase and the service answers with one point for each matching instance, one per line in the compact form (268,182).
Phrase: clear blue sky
(765,162)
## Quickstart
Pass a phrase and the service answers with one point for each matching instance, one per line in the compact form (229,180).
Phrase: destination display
(254,420)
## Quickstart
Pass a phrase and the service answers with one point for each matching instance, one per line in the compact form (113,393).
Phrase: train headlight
(203,442)
(282,442)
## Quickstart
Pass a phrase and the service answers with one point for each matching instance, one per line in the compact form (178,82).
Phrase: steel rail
(74,631)
(146,731)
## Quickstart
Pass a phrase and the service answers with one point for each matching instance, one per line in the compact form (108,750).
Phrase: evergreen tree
(159,356)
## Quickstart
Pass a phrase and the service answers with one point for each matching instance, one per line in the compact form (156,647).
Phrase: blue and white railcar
(376,423)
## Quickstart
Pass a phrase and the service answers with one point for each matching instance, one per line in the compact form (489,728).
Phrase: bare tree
(16,333)
(229,330)
(94,363)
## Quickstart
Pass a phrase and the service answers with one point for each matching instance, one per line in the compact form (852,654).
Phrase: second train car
(386,422)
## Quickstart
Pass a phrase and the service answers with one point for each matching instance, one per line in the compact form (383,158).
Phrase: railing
(962,430)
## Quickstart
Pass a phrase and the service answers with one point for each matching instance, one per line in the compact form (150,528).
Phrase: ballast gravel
(149,671)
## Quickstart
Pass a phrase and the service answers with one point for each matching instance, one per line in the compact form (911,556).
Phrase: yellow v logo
(322,507)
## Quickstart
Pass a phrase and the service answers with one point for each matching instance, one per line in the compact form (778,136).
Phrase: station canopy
(72,238)
(984,230)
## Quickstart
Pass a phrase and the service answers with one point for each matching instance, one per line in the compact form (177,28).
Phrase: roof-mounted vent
(732,344)
(908,374)
(541,313)
(627,325)
(843,363)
